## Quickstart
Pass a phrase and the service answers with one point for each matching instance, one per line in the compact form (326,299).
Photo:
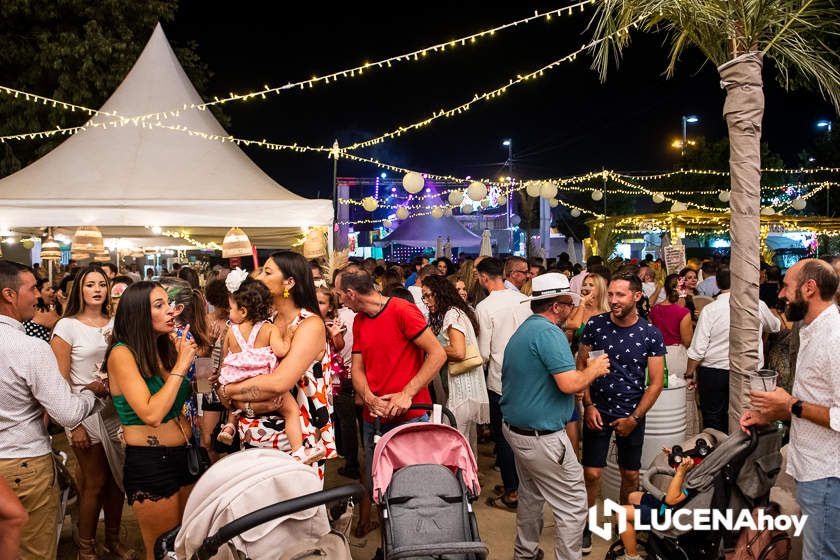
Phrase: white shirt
(510,286)
(418,300)
(648,288)
(577,281)
(499,315)
(708,287)
(29,384)
(710,344)
(814,451)
(347,316)
(87,349)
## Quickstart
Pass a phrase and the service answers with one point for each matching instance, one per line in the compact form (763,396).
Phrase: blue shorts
(647,507)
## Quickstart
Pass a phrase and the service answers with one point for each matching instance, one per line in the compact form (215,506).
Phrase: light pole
(827,126)
(686,120)
(509,164)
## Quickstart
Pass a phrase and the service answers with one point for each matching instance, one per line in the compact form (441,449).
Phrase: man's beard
(625,311)
(796,310)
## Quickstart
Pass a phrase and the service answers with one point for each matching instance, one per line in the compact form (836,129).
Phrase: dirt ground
(497,527)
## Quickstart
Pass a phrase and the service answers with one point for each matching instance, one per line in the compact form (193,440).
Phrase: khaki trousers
(34,481)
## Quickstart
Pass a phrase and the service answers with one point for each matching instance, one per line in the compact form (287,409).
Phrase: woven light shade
(102,256)
(136,254)
(88,239)
(236,244)
(79,255)
(50,250)
(149,251)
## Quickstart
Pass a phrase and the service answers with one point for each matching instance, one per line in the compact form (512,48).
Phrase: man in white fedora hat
(539,382)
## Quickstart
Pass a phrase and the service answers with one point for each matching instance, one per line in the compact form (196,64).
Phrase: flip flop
(503,503)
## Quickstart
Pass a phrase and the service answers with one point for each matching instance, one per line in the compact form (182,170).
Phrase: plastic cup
(764,380)
(203,369)
(596,353)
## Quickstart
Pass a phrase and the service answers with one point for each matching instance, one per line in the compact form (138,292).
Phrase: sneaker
(586,544)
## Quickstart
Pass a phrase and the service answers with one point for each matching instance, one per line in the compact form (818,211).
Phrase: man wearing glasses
(517,272)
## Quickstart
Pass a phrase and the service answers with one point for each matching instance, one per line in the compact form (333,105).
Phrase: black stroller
(736,475)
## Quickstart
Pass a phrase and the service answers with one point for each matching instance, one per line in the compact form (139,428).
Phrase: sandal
(364,529)
(503,502)
(226,434)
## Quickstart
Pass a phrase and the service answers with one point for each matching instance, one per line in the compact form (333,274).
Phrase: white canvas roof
(133,176)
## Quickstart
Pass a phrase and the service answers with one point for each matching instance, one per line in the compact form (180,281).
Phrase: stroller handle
(377,423)
(211,544)
(650,487)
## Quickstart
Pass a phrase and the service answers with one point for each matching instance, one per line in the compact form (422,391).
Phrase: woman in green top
(146,365)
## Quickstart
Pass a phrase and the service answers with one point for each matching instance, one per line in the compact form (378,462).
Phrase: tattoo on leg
(152,441)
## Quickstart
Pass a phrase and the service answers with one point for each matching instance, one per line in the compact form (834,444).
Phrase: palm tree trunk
(743,110)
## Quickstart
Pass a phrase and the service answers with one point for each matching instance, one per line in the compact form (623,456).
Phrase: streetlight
(687,120)
(826,125)
(509,164)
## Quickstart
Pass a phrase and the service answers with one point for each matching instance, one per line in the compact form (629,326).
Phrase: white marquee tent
(127,177)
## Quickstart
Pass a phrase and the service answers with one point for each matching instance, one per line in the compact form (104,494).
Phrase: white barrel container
(664,427)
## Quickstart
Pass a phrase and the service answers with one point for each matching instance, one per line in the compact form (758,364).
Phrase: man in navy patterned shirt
(620,400)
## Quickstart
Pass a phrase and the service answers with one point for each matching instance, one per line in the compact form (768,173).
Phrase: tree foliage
(76,51)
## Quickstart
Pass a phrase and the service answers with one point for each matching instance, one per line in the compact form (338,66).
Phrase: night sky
(565,123)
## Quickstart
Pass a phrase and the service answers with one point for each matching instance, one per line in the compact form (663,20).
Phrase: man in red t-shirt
(395,355)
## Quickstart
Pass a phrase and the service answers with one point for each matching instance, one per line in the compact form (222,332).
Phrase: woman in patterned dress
(305,371)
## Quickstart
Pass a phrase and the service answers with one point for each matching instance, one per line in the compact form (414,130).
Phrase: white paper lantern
(724,196)
(448,212)
(798,203)
(501,200)
(456,198)
(515,219)
(467,208)
(485,203)
(575,213)
(597,194)
(402,213)
(369,203)
(533,188)
(678,207)
(437,212)
(387,224)
(413,182)
(476,191)
(548,190)
(768,211)
(658,198)
(554,203)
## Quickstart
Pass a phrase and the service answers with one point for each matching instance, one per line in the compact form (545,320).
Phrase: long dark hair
(41,304)
(133,328)
(195,309)
(76,301)
(190,275)
(446,297)
(670,285)
(294,265)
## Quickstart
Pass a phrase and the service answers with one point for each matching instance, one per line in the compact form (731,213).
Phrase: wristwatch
(796,408)
(638,419)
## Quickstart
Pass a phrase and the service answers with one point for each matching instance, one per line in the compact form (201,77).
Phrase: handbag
(198,460)
(472,359)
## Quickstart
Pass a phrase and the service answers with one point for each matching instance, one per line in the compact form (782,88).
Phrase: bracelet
(223,391)
(587,405)
(181,375)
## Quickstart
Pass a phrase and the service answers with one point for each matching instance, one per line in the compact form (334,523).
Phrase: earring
(286,293)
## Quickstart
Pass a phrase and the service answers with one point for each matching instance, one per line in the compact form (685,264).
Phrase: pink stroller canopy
(422,443)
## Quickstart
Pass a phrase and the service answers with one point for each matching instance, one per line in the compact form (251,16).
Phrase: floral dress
(313,393)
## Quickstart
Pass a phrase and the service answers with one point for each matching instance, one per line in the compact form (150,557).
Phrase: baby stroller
(258,503)
(425,478)
(737,475)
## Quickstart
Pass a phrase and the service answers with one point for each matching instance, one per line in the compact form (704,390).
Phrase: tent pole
(333,239)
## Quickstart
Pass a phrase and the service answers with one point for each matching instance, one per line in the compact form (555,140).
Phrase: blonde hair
(600,289)
(327,291)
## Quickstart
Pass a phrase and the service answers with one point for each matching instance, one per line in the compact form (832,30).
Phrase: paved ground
(496,526)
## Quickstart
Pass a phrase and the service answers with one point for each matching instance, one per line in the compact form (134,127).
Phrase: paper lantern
(467,208)
(50,250)
(515,219)
(448,212)
(548,190)
(236,244)
(456,198)
(413,182)
(554,203)
(501,200)
(724,196)
(767,211)
(533,188)
(476,191)
(88,239)
(437,212)
(387,224)
(402,213)
(597,194)
(658,198)
(798,203)
(485,203)
(369,203)
(102,256)
(575,213)
(678,207)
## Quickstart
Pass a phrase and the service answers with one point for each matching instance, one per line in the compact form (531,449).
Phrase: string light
(185,235)
(487,95)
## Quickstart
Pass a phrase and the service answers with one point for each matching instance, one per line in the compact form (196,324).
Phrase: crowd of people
(154,378)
